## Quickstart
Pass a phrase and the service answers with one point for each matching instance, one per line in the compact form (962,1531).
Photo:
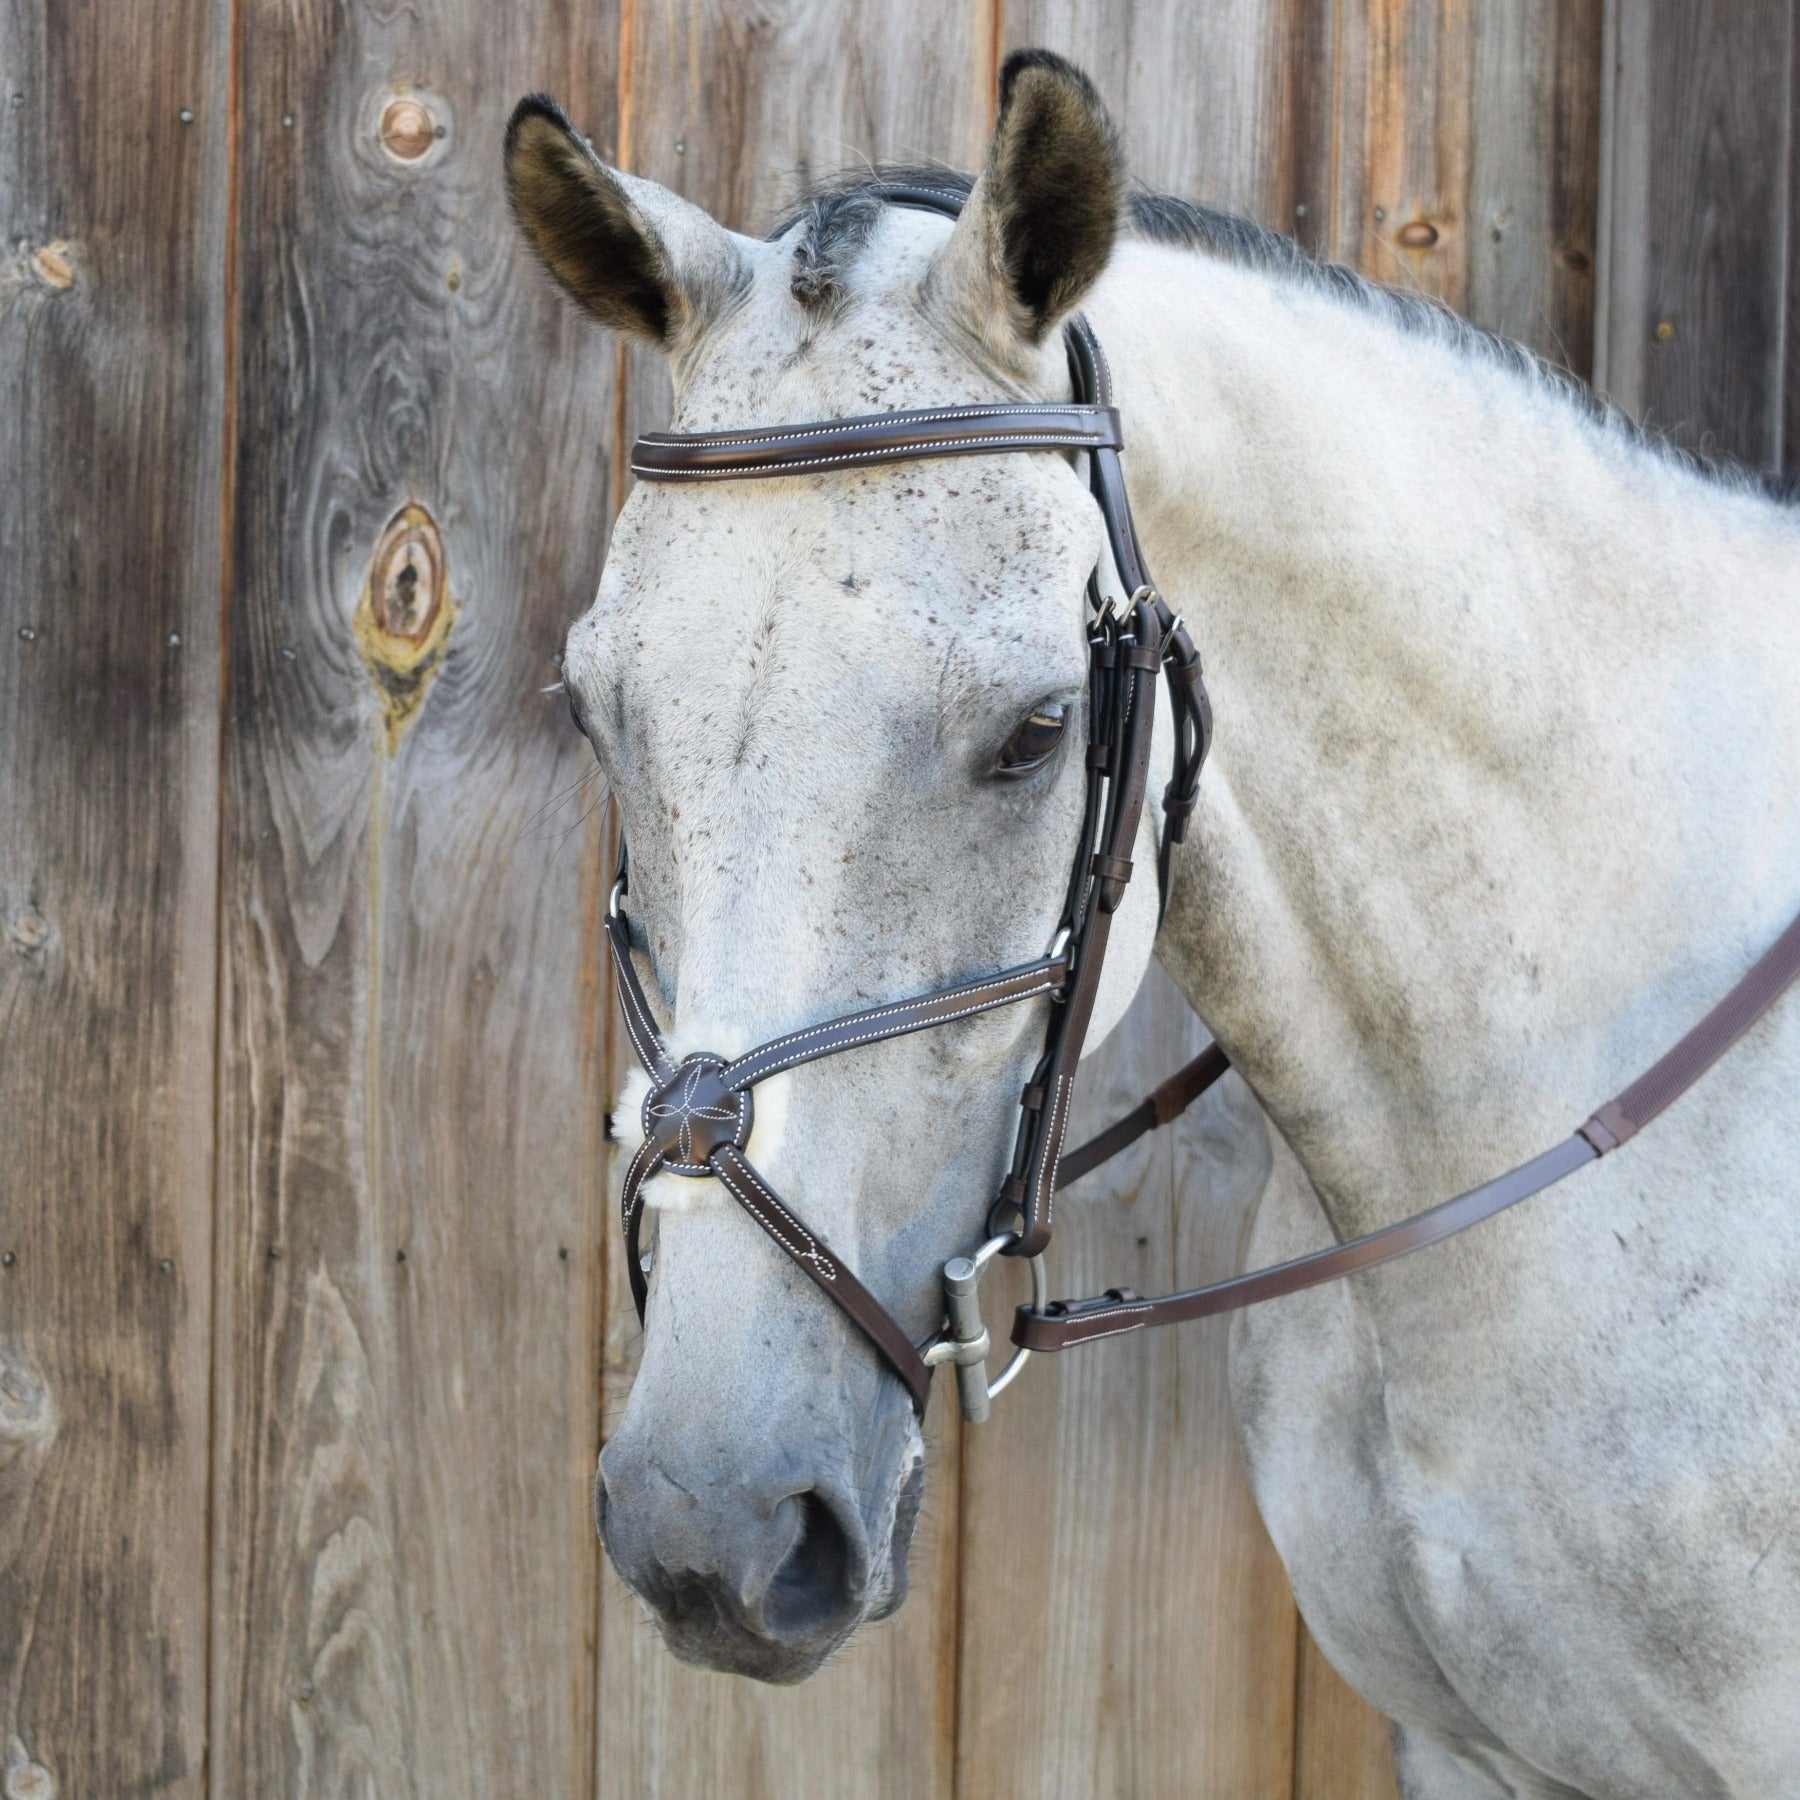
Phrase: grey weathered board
(1697,184)
(404,1581)
(310,1325)
(112,322)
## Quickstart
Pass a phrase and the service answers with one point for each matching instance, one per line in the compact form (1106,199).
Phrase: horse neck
(1504,787)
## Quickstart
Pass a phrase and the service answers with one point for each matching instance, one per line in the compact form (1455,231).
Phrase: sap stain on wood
(403,620)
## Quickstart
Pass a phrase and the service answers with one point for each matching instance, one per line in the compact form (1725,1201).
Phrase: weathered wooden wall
(310,1326)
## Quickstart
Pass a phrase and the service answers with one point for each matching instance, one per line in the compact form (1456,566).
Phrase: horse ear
(639,258)
(1039,224)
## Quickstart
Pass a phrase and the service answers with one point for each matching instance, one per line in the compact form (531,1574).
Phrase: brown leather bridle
(698,1114)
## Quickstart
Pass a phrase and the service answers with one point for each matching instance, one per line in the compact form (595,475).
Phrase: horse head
(842,713)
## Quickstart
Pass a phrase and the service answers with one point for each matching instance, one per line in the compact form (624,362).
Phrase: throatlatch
(697,1118)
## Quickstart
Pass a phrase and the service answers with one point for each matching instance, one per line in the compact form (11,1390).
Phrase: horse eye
(1034,741)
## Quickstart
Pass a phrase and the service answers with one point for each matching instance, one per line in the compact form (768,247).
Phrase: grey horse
(1506,793)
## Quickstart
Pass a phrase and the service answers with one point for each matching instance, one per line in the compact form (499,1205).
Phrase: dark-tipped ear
(1039,225)
(639,258)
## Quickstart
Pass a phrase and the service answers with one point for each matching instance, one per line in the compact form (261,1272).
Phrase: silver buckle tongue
(967,1343)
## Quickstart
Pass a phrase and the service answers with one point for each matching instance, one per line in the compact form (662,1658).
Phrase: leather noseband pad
(694,1113)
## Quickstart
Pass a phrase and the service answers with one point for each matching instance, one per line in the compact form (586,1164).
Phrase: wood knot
(27,930)
(51,265)
(407,129)
(1416,234)
(26,1779)
(403,620)
(27,1412)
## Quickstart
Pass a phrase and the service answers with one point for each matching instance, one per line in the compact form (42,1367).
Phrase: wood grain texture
(112,315)
(1790,342)
(1191,88)
(1127,1629)
(1463,157)
(1343,1743)
(1534,172)
(1697,212)
(736,109)
(405,1571)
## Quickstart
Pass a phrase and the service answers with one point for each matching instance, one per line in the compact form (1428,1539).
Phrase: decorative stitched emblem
(693,1113)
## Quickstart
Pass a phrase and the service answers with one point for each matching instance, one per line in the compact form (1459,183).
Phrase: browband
(875,438)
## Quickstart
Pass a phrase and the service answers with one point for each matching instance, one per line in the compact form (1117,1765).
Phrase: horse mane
(837,212)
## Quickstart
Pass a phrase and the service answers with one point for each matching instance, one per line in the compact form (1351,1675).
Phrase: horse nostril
(813,1585)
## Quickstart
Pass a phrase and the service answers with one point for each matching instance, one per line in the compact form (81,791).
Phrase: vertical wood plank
(737,111)
(1343,1743)
(1467,161)
(1790,338)
(1127,1628)
(113,146)
(1697,219)
(405,1567)
(1191,88)
(1417,96)
(1307,129)
(1534,171)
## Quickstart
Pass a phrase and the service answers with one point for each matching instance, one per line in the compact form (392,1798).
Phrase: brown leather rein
(697,1117)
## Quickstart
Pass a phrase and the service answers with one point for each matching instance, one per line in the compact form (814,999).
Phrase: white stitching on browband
(1040,984)
(756,434)
(1086,441)
(913,187)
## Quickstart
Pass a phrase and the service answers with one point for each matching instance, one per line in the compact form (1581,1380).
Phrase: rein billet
(698,1114)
